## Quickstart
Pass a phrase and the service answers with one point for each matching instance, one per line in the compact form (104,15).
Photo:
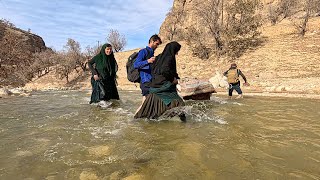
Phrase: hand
(96,77)
(151,60)
(175,81)
(246,84)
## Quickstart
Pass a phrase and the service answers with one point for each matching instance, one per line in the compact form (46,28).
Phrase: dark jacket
(142,64)
(165,67)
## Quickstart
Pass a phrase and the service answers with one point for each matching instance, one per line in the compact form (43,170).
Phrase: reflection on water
(58,135)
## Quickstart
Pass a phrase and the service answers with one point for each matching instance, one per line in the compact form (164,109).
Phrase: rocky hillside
(185,14)
(33,42)
(16,49)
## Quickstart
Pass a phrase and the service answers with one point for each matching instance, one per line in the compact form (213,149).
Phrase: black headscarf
(165,67)
(106,64)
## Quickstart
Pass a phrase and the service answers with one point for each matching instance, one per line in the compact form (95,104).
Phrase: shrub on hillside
(230,36)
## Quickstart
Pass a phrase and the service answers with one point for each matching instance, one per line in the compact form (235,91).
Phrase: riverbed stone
(117,175)
(5,92)
(280,89)
(87,175)
(134,177)
(24,153)
(99,151)
(51,178)
(16,91)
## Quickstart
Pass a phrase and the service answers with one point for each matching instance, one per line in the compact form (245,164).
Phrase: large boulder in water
(196,89)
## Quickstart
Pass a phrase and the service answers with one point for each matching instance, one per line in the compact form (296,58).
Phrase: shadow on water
(58,135)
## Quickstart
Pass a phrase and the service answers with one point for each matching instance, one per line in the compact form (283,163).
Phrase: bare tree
(117,40)
(68,60)
(65,67)
(196,39)
(286,7)
(176,16)
(7,23)
(73,51)
(231,35)
(273,15)
(209,14)
(242,30)
(90,52)
(310,6)
(43,61)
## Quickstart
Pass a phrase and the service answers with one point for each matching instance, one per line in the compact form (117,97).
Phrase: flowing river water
(58,135)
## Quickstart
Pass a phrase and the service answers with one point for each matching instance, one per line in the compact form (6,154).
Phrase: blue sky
(87,21)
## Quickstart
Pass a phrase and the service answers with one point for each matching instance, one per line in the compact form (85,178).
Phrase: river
(58,135)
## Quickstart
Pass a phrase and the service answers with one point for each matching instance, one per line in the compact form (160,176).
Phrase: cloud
(87,21)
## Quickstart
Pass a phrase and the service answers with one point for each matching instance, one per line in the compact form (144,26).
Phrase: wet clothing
(159,101)
(236,85)
(165,67)
(163,93)
(106,67)
(144,89)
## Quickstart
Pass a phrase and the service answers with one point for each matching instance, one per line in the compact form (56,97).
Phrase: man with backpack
(141,63)
(233,79)
(144,59)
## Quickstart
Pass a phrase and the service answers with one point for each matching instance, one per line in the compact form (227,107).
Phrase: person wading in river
(103,78)
(144,60)
(163,92)
(233,79)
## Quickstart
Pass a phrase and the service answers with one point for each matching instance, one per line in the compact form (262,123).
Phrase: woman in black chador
(163,93)
(104,68)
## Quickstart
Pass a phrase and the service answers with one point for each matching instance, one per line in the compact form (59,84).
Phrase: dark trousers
(234,86)
(144,89)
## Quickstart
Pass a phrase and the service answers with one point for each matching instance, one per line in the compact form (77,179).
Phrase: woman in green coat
(104,68)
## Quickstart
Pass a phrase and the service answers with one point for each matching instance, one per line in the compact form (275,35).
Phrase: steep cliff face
(186,6)
(32,42)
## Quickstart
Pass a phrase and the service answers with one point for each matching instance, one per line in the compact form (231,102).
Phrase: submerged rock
(86,175)
(100,151)
(117,175)
(134,177)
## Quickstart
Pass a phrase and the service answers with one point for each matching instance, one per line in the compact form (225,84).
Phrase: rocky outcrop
(16,54)
(32,42)
(186,6)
